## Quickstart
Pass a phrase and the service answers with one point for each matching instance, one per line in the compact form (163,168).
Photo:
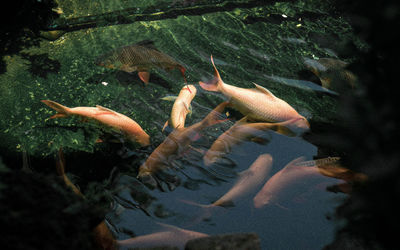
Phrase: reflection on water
(169,190)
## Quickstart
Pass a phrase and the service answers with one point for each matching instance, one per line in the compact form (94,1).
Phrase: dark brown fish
(332,73)
(140,57)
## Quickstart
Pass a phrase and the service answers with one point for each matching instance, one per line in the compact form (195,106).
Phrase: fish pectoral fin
(264,90)
(169,98)
(165,125)
(58,115)
(144,76)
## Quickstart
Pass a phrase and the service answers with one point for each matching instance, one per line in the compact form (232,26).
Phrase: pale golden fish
(181,107)
(248,180)
(120,122)
(242,131)
(257,104)
(285,181)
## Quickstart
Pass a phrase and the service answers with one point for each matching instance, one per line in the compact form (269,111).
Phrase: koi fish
(239,132)
(257,104)
(178,141)
(331,167)
(140,57)
(248,180)
(106,116)
(181,107)
(171,236)
(283,181)
(332,73)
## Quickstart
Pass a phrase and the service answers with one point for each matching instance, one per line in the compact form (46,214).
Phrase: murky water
(266,44)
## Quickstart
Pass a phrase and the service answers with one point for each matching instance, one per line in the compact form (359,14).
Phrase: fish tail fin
(215,83)
(62,111)
(215,116)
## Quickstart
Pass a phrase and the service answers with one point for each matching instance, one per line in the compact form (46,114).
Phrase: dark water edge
(369,128)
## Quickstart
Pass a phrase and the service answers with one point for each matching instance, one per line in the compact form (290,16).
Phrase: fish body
(106,116)
(172,237)
(248,180)
(181,107)
(286,180)
(178,141)
(140,57)
(332,73)
(242,131)
(257,104)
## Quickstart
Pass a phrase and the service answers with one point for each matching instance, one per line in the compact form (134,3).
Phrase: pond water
(270,43)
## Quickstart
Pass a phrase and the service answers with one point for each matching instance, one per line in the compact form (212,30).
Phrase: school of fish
(263,113)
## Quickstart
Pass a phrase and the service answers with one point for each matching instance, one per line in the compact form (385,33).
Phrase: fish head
(302,123)
(106,63)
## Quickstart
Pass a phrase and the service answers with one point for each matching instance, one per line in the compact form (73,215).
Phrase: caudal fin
(62,111)
(215,83)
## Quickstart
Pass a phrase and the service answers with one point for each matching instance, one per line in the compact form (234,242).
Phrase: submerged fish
(242,131)
(285,181)
(248,180)
(140,57)
(106,116)
(257,104)
(332,73)
(171,236)
(181,107)
(178,141)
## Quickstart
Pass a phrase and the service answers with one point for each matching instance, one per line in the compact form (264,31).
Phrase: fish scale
(141,57)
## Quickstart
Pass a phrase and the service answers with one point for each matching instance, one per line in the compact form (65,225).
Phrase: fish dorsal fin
(294,164)
(264,90)
(147,43)
(106,109)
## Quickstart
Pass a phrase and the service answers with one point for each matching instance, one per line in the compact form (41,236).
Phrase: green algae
(244,53)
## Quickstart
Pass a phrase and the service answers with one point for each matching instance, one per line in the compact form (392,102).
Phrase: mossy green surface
(244,53)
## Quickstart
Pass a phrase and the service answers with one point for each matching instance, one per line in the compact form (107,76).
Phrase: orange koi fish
(240,132)
(178,141)
(106,116)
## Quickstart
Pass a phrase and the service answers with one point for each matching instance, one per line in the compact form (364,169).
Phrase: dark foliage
(39,212)
(369,132)
(21,21)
